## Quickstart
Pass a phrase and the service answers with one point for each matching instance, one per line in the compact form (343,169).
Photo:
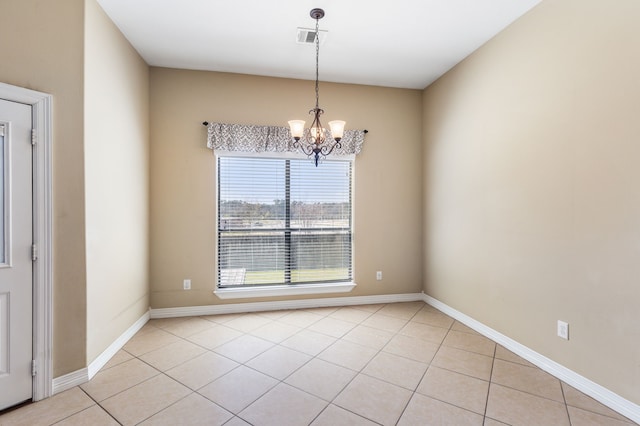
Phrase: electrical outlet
(186,284)
(379,275)
(563,330)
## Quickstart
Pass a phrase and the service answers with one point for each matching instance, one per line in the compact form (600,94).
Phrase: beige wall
(531,187)
(388,175)
(42,49)
(116,151)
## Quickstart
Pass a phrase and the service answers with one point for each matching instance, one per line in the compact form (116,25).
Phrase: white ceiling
(404,43)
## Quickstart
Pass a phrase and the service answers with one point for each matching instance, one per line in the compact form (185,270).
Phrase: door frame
(41,112)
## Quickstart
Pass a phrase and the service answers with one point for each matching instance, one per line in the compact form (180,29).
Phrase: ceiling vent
(308,36)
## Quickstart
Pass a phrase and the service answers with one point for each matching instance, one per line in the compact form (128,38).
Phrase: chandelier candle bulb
(317,134)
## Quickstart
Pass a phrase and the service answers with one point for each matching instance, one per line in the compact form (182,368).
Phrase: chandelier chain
(317,62)
(317,144)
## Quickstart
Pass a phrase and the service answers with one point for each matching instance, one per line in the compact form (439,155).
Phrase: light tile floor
(401,363)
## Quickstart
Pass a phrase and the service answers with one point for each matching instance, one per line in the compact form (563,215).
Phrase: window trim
(282,289)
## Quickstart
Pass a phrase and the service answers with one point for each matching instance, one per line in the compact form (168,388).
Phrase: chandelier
(318,144)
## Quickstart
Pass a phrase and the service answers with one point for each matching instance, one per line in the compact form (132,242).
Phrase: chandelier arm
(326,150)
(306,149)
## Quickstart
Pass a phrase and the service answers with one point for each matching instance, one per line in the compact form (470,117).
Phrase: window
(283,221)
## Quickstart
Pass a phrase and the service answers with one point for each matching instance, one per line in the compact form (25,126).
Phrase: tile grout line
(100,405)
(486,404)
(626,419)
(566,406)
(413,394)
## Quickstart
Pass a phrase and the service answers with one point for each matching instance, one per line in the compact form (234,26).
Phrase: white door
(16,384)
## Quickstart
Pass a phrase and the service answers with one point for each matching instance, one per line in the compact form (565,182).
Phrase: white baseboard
(113,348)
(83,375)
(75,378)
(584,385)
(285,304)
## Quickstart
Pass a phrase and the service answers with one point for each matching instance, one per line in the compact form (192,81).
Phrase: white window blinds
(283,221)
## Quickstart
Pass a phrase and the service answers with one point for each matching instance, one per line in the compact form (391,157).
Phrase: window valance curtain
(251,138)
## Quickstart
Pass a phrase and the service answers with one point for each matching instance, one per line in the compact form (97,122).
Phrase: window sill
(283,290)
